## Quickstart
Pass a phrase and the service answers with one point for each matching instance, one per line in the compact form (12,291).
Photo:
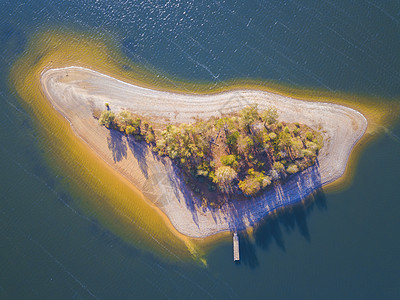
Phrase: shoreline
(73,91)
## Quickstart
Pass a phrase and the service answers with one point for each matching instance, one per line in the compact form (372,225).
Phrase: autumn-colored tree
(291,169)
(250,186)
(224,176)
(253,182)
(107,118)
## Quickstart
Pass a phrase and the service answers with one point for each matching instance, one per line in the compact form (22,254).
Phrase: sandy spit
(75,91)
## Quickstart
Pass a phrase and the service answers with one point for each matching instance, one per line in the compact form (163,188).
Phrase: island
(211,162)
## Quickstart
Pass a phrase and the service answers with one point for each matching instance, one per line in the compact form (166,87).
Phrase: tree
(107,118)
(254,182)
(274,174)
(269,116)
(284,139)
(312,147)
(150,137)
(266,181)
(125,117)
(137,123)
(248,115)
(130,130)
(231,140)
(229,160)
(278,166)
(309,136)
(272,136)
(242,145)
(291,169)
(249,186)
(224,176)
(297,145)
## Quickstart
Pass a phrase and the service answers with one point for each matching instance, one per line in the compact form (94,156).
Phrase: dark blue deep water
(345,245)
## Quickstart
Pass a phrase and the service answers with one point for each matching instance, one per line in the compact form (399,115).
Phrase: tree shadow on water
(320,200)
(117,145)
(267,231)
(247,251)
(274,227)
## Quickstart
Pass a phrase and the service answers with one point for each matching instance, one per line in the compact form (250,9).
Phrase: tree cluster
(128,124)
(240,154)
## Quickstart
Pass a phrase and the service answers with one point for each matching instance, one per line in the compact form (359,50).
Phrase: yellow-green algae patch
(111,198)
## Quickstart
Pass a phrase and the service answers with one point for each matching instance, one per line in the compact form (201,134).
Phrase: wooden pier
(235,247)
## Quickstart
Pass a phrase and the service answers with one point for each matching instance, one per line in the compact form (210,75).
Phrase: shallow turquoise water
(345,245)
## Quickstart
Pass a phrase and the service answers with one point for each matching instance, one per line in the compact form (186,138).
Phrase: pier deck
(236,247)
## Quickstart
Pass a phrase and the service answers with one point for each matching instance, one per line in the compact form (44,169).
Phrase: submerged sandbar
(75,92)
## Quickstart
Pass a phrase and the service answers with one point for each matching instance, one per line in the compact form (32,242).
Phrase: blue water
(344,245)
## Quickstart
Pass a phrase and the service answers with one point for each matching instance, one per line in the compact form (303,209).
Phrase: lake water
(344,245)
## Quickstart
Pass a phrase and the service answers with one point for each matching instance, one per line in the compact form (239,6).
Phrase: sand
(75,91)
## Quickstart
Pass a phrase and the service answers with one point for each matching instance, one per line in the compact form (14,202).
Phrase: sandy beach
(75,92)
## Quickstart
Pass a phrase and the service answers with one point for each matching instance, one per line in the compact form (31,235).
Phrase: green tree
(107,118)
(137,123)
(229,160)
(231,140)
(272,136)
(284,139)
(248,116)
(269,116)
(150,137)
(309,136)
(130,130)
(125,117)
